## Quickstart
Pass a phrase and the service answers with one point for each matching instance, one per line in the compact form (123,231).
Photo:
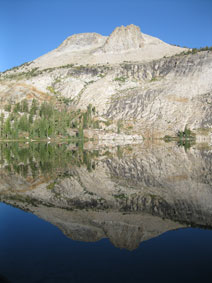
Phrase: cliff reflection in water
(127,194)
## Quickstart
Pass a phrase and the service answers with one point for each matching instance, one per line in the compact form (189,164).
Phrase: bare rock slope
(154,88)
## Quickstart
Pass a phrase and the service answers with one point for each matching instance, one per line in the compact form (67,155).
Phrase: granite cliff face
(123,39)
(128,76)
(127,194)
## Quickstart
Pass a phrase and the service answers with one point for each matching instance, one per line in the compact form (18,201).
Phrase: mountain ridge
(124,43)
(153,96)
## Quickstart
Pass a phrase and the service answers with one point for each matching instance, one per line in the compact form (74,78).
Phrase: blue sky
(30,28)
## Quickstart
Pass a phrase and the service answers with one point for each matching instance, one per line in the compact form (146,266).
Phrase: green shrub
(7,107)
(195,50)
(120,79)
(51,186)
(51,89)
(154,79)
(186,134)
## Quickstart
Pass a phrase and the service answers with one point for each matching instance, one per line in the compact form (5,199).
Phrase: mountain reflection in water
(126,194)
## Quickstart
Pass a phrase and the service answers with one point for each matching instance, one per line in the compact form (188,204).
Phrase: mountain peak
(125,43)
(123,39)
(77,42)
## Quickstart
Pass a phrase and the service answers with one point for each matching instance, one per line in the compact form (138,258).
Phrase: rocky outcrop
(123,39)
(104,138)
(82,41)
(145,85)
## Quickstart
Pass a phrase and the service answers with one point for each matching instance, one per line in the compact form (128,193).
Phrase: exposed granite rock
(153,96)
(124,44)
(123,39)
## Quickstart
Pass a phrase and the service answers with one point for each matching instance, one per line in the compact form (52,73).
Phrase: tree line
(45,120)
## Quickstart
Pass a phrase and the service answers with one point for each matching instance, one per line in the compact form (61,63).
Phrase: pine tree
(7,128)
(1,125)
(24,123)
(24,106)
(16,108)
(34,107)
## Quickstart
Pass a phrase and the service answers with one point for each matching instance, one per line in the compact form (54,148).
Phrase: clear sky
(30,28)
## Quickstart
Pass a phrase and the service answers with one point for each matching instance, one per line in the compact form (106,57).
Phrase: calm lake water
(98,214)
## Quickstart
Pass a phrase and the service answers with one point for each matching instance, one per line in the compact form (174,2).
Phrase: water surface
(119,214)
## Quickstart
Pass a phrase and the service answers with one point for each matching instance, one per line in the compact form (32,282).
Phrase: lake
(92,213)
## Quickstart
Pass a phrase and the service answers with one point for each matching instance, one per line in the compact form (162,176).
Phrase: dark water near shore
(144,214)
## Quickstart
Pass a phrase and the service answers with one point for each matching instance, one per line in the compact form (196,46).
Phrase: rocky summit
(124,44)
(149,87)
